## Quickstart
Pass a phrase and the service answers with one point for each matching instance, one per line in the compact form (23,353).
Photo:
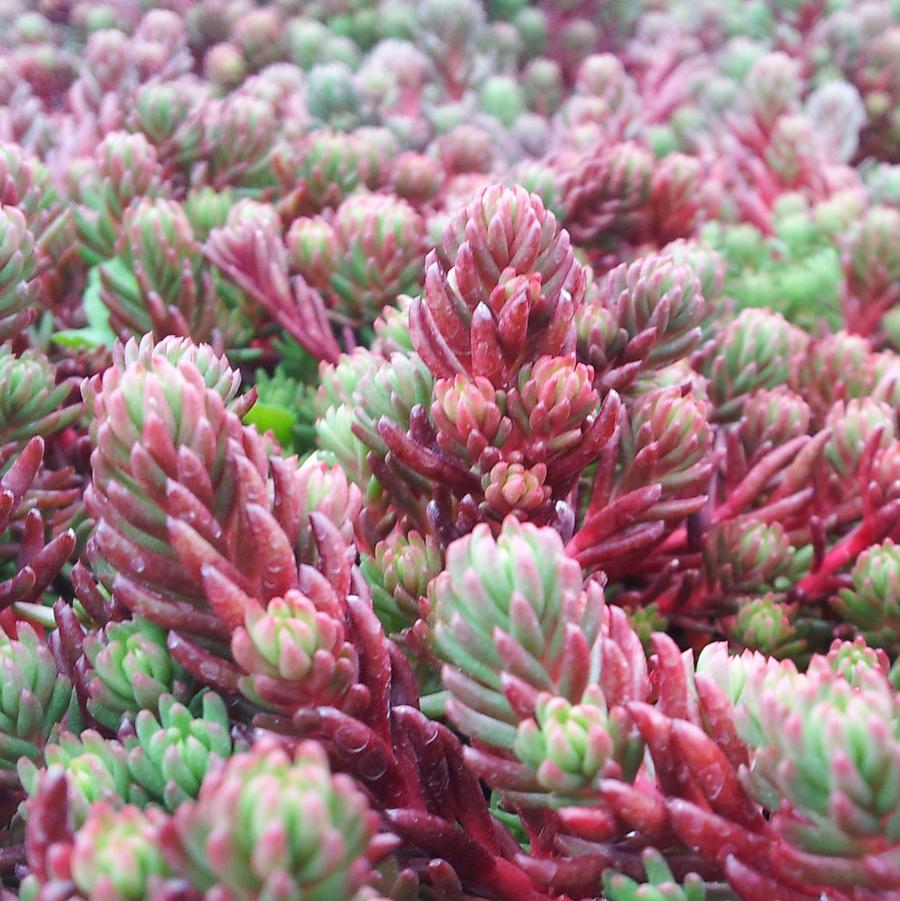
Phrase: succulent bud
(824,755)
(444,31)
(491,588)
(313,250)
(850,355)
(502,97)
(676,197)
(224,65)
(338,382)
(855,660)
(258,34)
(872,266)
(207,209)
(392,391)
(668,444)
(773,88)
(416,177)
(168,114)
(331,96)
(26,183)
(95,768)
(511,488)
(604,192)
(600,340)
(466,149)
(542,80)
(159,419)
(153,284)
(240,132)
(791,154)
(172,751)
(657,295)
(248,214)
(380,255)
(552,402)
(329,165)
(467,416)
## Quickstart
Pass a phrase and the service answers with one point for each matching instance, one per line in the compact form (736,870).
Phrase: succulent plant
(295,650)
(660,885)
(34,696)
(765,624)
(570,746)
(17,267)
(486,479)
(870,603)
(174,390)
(173,749)
(819,813)
(154,284)
(398,575)
(31,401)
(240,131)
(756,351)
(489,606)
(853,425)
(128,669)
(95,770)
(744,556)
(770,418)
(125,167)
(242,834)
(329,166)
(471,291)
(117,853)
(661,297)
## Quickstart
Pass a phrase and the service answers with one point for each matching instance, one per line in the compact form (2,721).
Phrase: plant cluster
(449,450)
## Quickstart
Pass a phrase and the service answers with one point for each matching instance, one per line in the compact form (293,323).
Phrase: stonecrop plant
(449,450)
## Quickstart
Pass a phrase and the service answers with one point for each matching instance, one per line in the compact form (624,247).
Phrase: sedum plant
(449,450)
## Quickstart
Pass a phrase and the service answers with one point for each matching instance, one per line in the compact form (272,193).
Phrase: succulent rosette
(34,696)
(174,392)
(477,290)
(269,822)
(117,853)
(398,575)
(822,751)
(128,669)
(31,401)
(295,650)
(871,601)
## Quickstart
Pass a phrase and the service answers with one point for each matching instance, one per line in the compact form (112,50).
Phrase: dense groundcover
(449,451)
